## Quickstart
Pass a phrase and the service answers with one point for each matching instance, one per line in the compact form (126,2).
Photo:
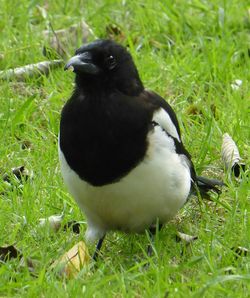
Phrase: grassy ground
(188,51)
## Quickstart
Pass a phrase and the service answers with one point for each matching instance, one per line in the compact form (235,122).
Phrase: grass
(190,52)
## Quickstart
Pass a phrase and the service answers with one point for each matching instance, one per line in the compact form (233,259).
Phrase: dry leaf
(185,237)
(70,264)
(73,225)
(9,252)
(54,222)
(19,173)
(30,70)
(230,155)
(62,40)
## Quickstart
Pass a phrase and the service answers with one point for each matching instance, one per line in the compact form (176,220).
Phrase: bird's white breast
(157,188)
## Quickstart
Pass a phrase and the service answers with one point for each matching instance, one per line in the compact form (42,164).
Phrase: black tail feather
(206,184)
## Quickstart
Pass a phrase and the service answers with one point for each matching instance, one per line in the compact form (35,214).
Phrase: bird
(120,148)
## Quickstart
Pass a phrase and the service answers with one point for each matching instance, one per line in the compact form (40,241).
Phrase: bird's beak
(82,63)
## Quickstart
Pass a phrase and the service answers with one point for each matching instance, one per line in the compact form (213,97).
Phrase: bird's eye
(111,62)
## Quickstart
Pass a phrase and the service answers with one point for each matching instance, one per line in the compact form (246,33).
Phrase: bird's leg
(98,248)
(152,231)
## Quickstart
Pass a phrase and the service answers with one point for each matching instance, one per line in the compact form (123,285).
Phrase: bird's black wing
(203,184)
(157,100)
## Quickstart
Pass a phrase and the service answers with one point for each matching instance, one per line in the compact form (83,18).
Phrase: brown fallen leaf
(70,264)
(61,40)
(231,156)
(30,70)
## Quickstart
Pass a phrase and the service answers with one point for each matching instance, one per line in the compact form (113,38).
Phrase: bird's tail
(205,184)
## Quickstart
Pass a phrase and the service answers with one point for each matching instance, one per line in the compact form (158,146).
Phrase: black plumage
(109,128)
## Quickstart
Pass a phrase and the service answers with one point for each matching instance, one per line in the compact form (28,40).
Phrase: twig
(30,70)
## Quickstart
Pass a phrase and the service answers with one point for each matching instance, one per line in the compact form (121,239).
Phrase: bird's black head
(106,65)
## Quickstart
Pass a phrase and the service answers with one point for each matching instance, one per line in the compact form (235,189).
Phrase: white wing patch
(162,118)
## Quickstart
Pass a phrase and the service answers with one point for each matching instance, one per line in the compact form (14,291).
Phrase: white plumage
(157,188)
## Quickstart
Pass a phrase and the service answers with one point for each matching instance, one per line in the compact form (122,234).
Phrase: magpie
(120,147)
